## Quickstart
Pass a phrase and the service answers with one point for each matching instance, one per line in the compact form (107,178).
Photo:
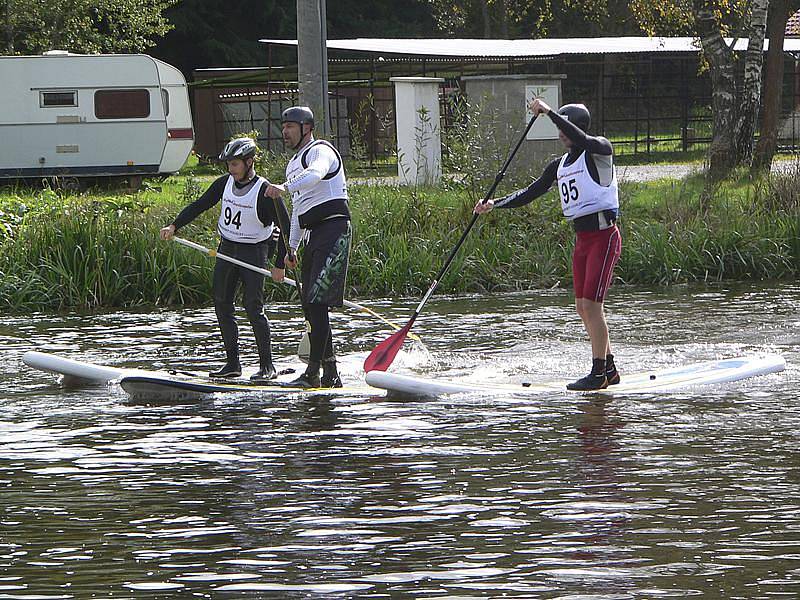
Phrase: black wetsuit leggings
(321,337)
(324,270)
(227,278)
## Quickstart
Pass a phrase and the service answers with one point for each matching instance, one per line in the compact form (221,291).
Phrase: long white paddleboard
(74,372)
(173,385)
(159,387)
(143,384)
(663,380)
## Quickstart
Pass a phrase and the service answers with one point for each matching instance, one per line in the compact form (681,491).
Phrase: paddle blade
(382,356)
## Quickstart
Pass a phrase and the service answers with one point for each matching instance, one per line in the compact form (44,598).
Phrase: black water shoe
(588,383)
(265,373)
(330,374)
(309,379)
(330,382)
(596,380)
(306,380)
(611,370)
(231,369)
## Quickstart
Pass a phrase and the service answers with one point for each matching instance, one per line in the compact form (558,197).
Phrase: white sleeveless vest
(332,186)
(238,219)
(580,194)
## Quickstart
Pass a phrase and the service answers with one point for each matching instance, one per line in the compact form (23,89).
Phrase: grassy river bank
(101,248)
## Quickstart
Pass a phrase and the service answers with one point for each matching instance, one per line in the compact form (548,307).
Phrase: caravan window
(59,98)
(165,98)
(122,104)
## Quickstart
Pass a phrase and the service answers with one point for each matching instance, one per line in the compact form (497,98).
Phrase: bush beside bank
(102,249)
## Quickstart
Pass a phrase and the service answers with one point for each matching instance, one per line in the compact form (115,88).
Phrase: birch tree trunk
(722,152)
(779,12)
(751,88)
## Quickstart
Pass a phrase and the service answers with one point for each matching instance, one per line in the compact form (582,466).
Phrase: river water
(664,496)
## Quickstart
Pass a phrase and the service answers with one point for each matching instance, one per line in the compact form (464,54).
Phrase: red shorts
(596,253)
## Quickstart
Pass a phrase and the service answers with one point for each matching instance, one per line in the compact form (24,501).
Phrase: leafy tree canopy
(85,26)
(209,33)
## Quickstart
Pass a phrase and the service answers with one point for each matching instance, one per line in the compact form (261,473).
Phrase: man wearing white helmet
(587,185)
(320,215)
(248,225)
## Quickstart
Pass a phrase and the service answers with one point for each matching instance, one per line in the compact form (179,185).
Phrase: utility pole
(312,61)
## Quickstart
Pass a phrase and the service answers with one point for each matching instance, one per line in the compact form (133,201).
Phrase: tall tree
(734,103)
(751,93)
(209,33)
(34,26)
(779,13)
(721,155)
(534,18)
(735,79)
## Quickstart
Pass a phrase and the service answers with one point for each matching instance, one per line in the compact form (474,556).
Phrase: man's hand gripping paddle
(384,353)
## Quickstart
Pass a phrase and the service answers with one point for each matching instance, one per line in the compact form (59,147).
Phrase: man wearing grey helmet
(248,225)
(320,215)
(587,186)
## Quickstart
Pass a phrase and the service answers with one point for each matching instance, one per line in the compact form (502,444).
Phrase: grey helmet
(299,115)
(242,148)
(577,114)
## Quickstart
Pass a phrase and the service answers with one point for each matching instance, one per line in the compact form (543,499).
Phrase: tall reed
(59,250)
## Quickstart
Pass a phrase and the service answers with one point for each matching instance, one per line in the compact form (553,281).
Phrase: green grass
(101,248)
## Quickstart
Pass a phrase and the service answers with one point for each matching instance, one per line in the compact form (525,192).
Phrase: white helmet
(239,148)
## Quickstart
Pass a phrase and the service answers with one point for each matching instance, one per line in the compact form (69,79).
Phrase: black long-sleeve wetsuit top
(599,153)
(265,208)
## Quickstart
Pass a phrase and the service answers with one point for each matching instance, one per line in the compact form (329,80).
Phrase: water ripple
(660,496)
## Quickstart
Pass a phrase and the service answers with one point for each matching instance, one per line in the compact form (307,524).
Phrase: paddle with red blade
(382,356)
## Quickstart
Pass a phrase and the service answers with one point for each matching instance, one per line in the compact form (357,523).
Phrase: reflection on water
(691,494)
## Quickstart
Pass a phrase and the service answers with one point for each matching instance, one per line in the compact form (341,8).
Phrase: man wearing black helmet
(587,185)
(315,178)
(248,225)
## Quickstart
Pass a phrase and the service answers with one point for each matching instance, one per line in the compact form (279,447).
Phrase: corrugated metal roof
(464,48)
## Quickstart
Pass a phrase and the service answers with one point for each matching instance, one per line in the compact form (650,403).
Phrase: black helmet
(242,148)
(299,115)
(577,114)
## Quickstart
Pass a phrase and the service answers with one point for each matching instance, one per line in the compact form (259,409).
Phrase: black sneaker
(306,380)
(330,374)
(231,369)
(330,382)
(611,370)
(264,374)
(588,383)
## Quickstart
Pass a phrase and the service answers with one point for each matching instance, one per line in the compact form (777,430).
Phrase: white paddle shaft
(286,280)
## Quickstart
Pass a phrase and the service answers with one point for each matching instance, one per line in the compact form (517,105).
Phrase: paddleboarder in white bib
(248,226)
(587,186)
(320,215)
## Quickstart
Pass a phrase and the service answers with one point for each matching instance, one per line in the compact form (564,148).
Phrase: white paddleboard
(160,387)
(171,385)
(663,380)
(74,371)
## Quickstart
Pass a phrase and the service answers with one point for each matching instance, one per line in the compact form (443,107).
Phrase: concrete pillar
(419,139)
(501,102)
(312,61)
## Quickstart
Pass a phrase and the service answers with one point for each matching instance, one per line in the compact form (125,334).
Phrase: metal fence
(646,104)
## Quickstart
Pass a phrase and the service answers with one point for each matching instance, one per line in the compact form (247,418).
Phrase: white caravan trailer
(75,115)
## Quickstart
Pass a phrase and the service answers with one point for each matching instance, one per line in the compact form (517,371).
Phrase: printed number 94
(231,218)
